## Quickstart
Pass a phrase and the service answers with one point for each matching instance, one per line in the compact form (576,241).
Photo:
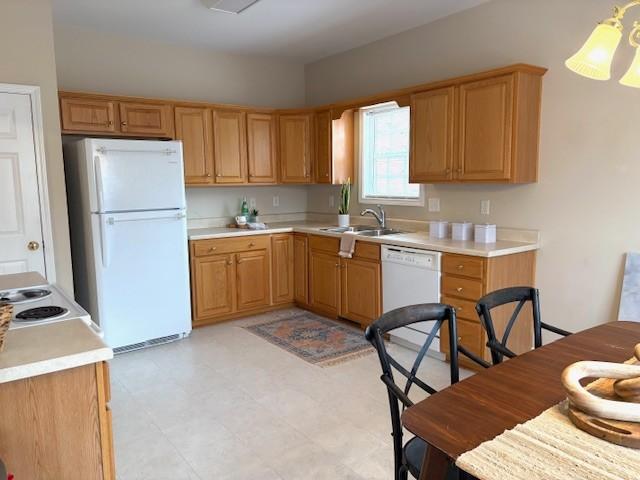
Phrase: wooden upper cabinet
(296,147)
(262,148)
(282,268)
(87,115)
(432,135)
(146,119)
(486,129)
(193,127)
(323,147)
(333,158)
(253,279)
(230,146)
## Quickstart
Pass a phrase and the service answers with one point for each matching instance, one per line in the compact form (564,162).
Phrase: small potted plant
(345,200)
(254,216)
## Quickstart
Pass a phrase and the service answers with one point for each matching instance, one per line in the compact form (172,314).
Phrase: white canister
(438,229)
(485,233)
(462,231)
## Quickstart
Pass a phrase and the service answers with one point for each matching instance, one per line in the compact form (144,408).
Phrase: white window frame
(408,202)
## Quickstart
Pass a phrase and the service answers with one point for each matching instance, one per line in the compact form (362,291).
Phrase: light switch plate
(434,204)
(252,203)
(485,207)
(332,200)
(276,200)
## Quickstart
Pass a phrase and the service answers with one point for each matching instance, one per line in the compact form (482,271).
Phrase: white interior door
(21,236)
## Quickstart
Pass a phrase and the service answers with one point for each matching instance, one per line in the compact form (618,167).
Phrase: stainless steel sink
(379,232)
(354,228)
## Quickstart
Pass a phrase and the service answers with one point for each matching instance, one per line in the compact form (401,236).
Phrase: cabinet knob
(460,170)
(459,289)
(337,265)
(109,123)
(239,261)
(252,244)
(229,262)
(460,267)
(208,175)
(124,124)
(459,339)
(213,249)
(459,309)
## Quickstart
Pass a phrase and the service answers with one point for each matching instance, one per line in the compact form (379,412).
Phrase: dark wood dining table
(461,417)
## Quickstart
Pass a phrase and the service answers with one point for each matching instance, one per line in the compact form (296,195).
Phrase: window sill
(418,202)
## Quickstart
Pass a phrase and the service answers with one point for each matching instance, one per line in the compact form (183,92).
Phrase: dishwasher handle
(413,257)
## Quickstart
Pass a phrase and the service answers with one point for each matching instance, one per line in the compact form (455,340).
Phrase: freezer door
(135,175)
(142,276)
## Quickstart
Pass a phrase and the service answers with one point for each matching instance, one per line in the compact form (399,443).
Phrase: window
(384,163)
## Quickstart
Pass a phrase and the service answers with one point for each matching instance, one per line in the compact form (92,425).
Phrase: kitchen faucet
(380,217)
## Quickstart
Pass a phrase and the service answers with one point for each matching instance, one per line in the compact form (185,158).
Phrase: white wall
(586,201)
(93,61)
(27,57)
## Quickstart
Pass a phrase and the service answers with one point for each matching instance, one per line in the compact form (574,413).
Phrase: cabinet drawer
(464,308)
(470,336)
(203,248)
(366,250)
(327,244)
(461,287)
(463,265)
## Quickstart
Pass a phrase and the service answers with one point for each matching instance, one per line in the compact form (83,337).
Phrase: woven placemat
(550,447)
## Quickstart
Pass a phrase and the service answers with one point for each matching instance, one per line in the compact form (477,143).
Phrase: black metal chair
(505,296)
(408,457)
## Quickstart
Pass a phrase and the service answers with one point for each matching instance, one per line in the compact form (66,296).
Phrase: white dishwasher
(410,277)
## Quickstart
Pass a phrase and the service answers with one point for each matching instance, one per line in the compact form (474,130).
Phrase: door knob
(33,245)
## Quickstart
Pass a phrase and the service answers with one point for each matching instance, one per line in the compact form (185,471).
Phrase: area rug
(315,339)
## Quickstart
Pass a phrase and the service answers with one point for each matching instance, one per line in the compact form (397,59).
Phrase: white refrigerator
(129,238)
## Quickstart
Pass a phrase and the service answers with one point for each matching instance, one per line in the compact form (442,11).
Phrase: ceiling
(302,30)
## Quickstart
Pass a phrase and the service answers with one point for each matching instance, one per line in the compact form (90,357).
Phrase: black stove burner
(41,313)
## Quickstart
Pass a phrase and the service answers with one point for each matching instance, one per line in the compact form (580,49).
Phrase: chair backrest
(512,295)
(399,393)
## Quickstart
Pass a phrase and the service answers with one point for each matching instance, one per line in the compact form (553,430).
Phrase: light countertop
(21,280)
(418,240)
(49,348)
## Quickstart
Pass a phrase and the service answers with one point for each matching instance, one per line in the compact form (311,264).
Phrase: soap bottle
(244,209)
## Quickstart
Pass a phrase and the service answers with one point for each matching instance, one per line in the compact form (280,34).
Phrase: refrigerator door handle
(97,167)
(177,216)
(105,223)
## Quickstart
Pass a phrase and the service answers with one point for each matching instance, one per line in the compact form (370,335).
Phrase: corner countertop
(49,348)
(419,240)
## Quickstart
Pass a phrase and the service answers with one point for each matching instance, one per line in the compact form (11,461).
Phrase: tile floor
(226,404)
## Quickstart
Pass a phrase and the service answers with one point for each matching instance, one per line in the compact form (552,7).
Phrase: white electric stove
(42,304)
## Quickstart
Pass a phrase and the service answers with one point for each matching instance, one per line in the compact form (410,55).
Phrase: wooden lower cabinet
(232,277)
(253,279)
(361,288)
(60,426)
(465,279)
(301,269)
(213,285)
(282,268)
(324,282)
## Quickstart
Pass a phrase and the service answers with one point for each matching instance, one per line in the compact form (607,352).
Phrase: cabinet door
(361,291)
(432,137)
(87,115)
(323,147)
(282,268)
(230,146)
(324,278)
(300,269)
(193,127)
(253,279)
(470,336)
(296,146)
(486,126)
(214,283)
(146,119)
(261,145)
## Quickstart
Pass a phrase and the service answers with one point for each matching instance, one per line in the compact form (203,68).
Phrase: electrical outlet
(252,203)
(332,200)
(434,204)
(276,200)
(485,207)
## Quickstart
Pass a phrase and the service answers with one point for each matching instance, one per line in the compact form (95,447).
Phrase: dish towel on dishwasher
(347,244)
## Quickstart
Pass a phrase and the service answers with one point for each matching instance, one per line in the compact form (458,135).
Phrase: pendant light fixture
(594,59)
